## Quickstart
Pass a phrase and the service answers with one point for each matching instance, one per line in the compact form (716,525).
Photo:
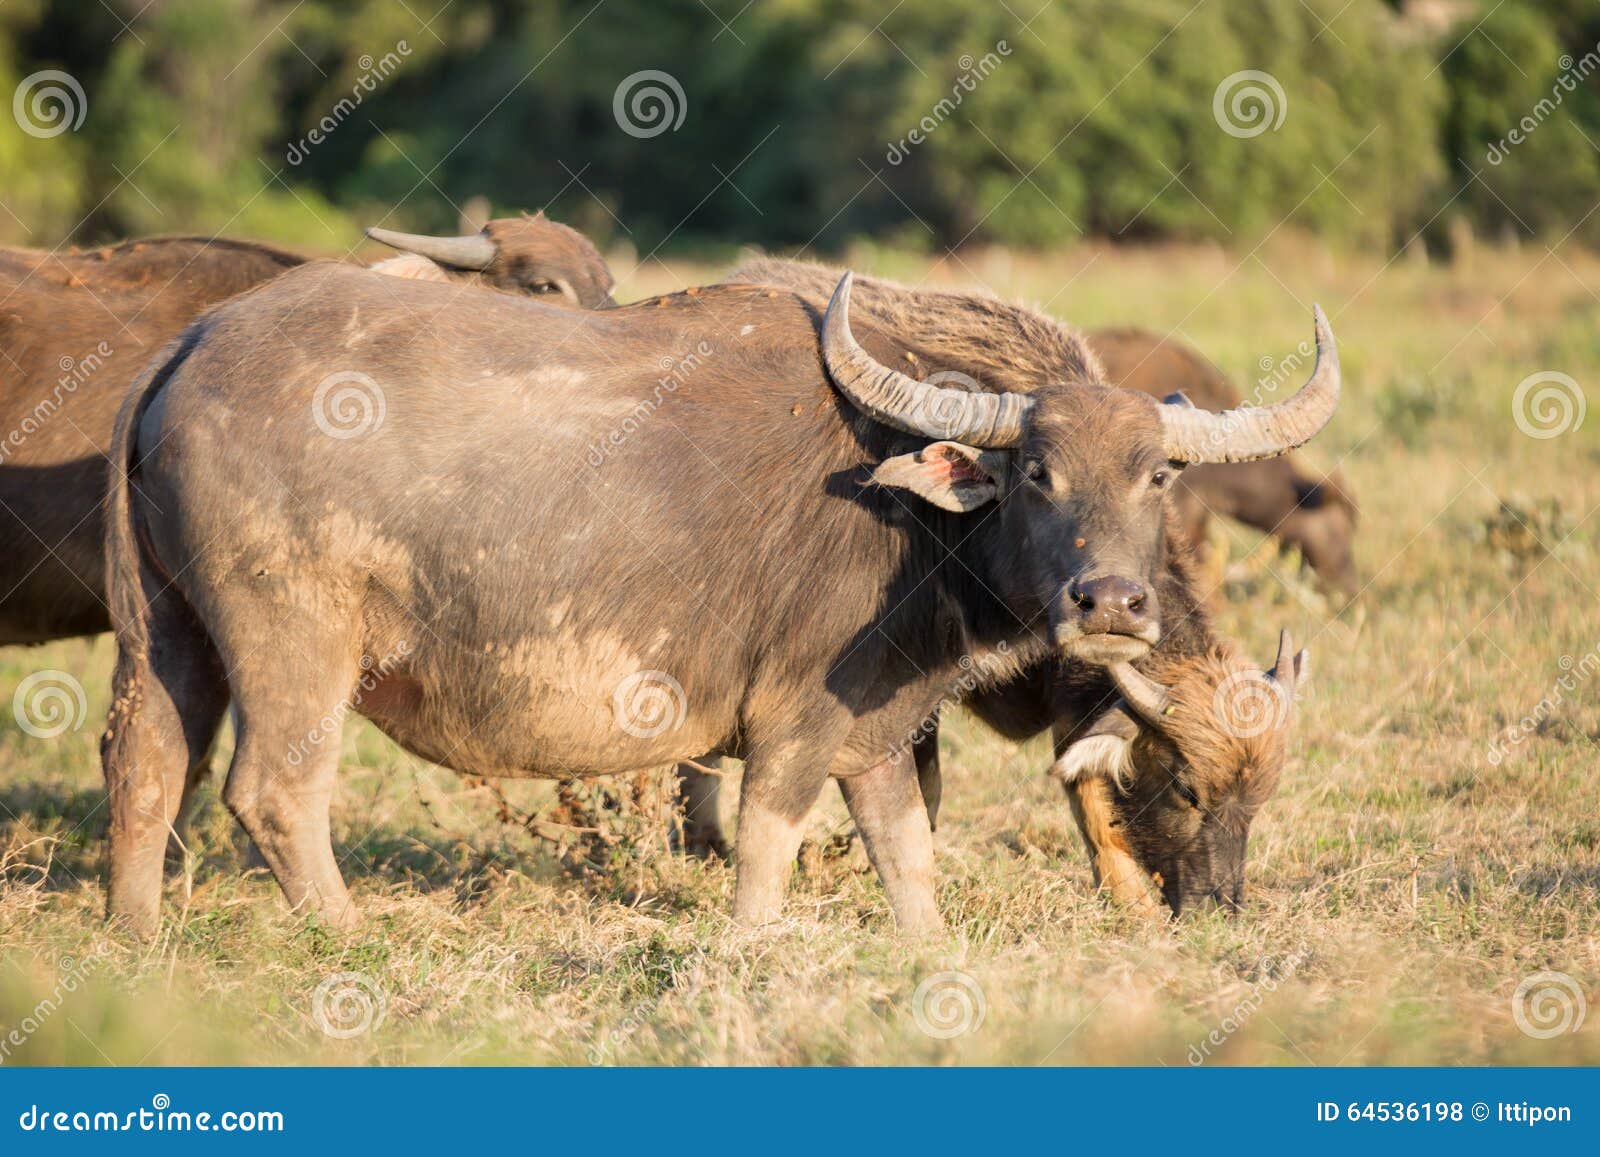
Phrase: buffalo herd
(787,518)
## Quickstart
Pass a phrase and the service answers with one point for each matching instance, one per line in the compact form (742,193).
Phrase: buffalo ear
(1105,749)
(949,475)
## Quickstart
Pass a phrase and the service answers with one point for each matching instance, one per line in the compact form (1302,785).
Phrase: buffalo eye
(1187,792)
(1160,479)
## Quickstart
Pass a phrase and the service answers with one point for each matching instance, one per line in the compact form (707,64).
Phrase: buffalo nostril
(1112,593)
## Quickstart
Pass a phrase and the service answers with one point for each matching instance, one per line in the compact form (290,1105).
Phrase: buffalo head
(1193,748)
(1074,475)
(532,255)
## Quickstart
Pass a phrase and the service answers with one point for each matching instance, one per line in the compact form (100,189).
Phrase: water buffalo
(1280,496)
(1187,785)
(597,542)
(75,328)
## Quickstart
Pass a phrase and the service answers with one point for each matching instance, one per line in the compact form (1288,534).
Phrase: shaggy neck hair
(1005,346)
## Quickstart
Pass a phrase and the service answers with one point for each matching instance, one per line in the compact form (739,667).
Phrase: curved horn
(1249,433)
(475,251)
(1290,669)
(980,419)
(1147,697)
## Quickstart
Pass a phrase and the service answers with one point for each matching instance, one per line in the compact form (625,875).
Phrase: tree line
(804,122)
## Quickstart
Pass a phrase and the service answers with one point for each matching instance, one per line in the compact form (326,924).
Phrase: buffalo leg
(775,799)
(890,813)
(280,783)
(169,696)
(700,794)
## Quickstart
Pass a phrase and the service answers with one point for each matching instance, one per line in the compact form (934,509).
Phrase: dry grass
(1403,885)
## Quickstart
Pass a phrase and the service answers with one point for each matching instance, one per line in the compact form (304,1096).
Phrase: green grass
(1403,886)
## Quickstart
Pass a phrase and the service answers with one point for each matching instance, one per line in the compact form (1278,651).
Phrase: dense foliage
(807,121)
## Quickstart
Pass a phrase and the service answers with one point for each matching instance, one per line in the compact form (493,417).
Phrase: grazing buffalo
(1280,496)
(588,543)
(1165,763)
(75,328)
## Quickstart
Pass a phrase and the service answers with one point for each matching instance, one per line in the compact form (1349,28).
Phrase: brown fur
(1024,349)
(1004,346)
(57,309)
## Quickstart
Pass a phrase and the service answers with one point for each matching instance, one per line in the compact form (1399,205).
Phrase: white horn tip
(1324,330)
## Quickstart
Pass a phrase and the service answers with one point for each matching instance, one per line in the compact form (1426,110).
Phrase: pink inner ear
(949,466)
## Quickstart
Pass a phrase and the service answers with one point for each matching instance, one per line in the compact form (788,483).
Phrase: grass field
(1426,855)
